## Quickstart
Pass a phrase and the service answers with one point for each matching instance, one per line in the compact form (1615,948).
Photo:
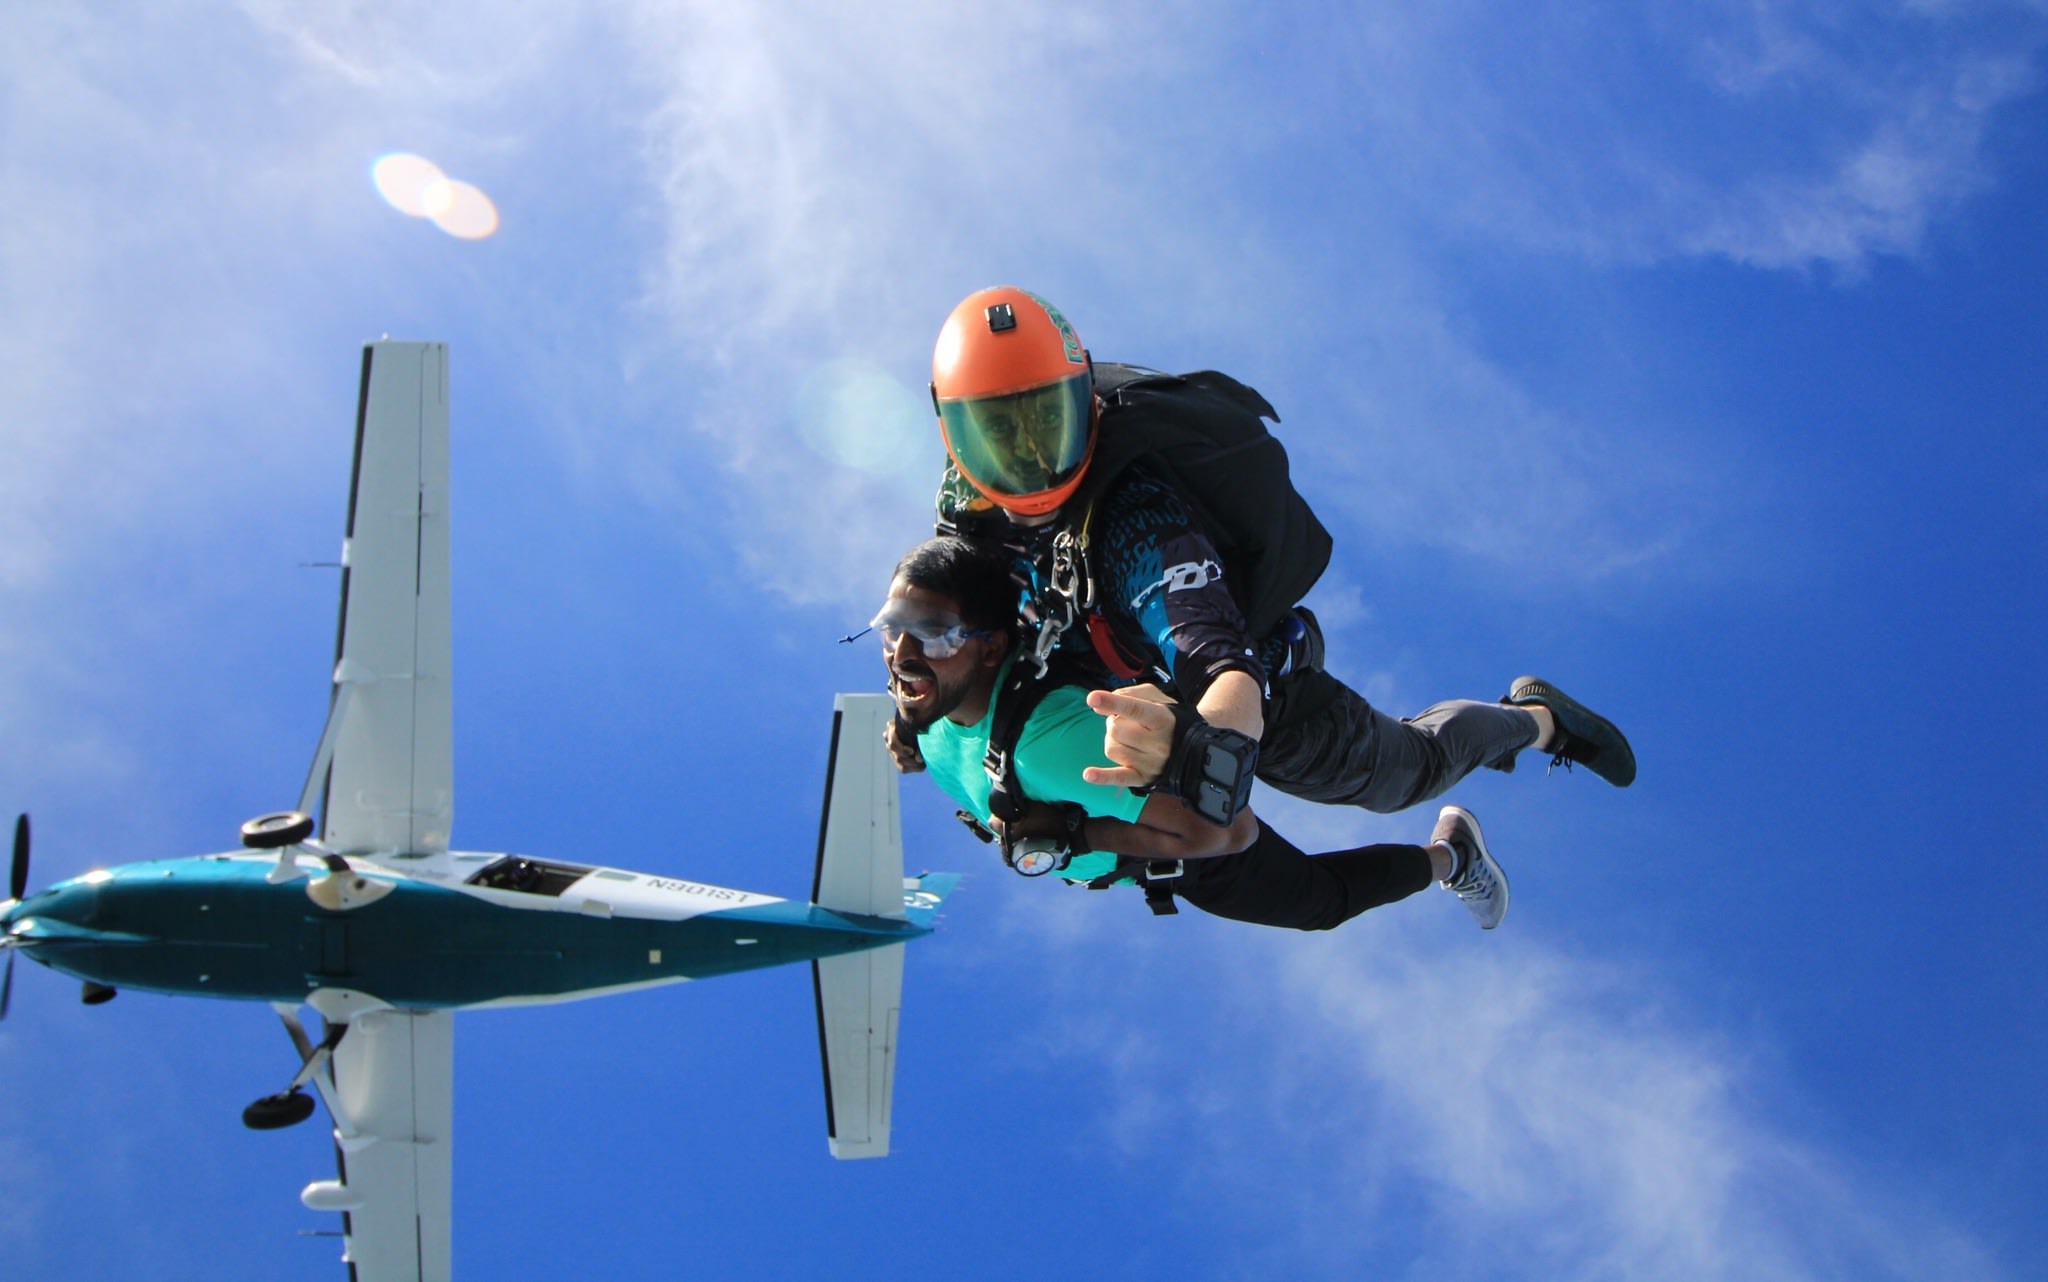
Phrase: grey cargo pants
(1324,742)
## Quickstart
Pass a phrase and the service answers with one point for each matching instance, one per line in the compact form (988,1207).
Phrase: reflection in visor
(1025,443)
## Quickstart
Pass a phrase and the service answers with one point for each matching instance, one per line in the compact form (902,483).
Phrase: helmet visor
(1025,443)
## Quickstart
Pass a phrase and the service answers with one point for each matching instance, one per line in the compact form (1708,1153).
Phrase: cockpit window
(529,876)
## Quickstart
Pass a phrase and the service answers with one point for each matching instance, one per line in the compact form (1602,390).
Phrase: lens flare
(405,180)
(416,186)
(855,414)
(462,210)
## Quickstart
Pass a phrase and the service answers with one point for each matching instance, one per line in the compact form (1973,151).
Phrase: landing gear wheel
(274,1112)
(96,994)
(272,832)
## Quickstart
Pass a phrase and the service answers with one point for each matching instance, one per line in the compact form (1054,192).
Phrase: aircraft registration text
(694,888)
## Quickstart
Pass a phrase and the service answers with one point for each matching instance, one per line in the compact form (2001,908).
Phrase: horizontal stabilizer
(923,894)
(860,997)
(860,872)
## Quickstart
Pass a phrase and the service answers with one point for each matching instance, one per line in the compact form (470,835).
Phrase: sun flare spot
(416,186)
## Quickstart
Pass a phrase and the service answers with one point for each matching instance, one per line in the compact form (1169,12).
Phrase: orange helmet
(1016,399)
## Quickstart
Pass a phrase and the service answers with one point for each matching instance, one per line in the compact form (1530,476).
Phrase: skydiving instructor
(1070,465)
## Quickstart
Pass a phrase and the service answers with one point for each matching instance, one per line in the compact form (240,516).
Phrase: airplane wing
(385,760)
(391,1091)
(386,768)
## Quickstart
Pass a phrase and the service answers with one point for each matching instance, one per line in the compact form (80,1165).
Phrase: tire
(275,1112)
(274,831)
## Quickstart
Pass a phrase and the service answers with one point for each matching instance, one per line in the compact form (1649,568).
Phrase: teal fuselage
(214,926)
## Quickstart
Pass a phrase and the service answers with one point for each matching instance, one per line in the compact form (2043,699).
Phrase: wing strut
(323,756)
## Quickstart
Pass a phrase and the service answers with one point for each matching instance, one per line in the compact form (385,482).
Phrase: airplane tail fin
(860,872)
(860,835)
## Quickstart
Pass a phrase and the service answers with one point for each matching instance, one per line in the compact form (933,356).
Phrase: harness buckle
(1160,874)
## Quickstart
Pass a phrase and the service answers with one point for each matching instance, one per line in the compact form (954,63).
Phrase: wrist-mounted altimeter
(1036,856)
(1210,768)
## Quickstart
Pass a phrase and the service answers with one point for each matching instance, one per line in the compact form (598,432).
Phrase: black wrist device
(1210,768)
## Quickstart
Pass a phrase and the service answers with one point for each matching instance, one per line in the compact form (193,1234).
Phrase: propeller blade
(20,872)
(7,986)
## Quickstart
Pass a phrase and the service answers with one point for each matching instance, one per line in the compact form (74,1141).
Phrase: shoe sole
(1617,767)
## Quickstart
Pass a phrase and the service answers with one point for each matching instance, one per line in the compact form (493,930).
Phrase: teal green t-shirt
(1063,736)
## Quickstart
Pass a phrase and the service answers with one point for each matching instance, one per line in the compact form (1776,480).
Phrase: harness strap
(982,832)
(1159,898)
(1156,877)
(1016,700)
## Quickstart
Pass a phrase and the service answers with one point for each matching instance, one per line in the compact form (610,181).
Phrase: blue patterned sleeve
(1162,582)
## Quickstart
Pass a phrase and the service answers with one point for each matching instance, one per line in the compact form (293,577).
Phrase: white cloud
(830,185)
(1423,441)
(436,60)
(1547,1092)
(832,180)
(1776,135)
(190,230)
(1918,161)
(1477,1107)
(813,185)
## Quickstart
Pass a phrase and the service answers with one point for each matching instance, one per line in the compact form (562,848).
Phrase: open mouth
(913,681)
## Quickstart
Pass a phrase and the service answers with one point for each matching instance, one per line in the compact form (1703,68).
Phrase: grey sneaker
(1584,735)
(1477,880)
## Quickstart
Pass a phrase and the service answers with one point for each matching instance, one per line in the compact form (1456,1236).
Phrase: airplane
(384,931)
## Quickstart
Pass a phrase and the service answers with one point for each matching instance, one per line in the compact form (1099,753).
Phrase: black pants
(1324,742)
(1274,884)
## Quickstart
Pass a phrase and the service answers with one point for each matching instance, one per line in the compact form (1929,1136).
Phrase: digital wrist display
(1210,768)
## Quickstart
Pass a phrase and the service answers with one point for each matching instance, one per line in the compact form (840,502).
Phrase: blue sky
(1685,354)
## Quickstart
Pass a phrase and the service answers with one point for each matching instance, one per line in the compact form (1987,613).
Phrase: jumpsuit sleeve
(1163,585)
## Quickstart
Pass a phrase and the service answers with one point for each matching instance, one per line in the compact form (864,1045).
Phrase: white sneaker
(1477,880)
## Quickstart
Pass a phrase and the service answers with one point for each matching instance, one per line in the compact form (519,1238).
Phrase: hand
(903,747)
(1040,819)
(1137,735)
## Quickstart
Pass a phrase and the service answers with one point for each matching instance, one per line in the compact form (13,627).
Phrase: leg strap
(1160,875)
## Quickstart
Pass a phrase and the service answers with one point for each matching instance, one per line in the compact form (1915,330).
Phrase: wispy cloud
(1877,194)
(1776,135)
(830,183)
(830,186)
(730,233)
(1425,442)
(1545,1091)
(1478,1108)
(797,185)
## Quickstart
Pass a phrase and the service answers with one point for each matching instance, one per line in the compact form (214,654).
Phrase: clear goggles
(940,636)
(1025,443)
